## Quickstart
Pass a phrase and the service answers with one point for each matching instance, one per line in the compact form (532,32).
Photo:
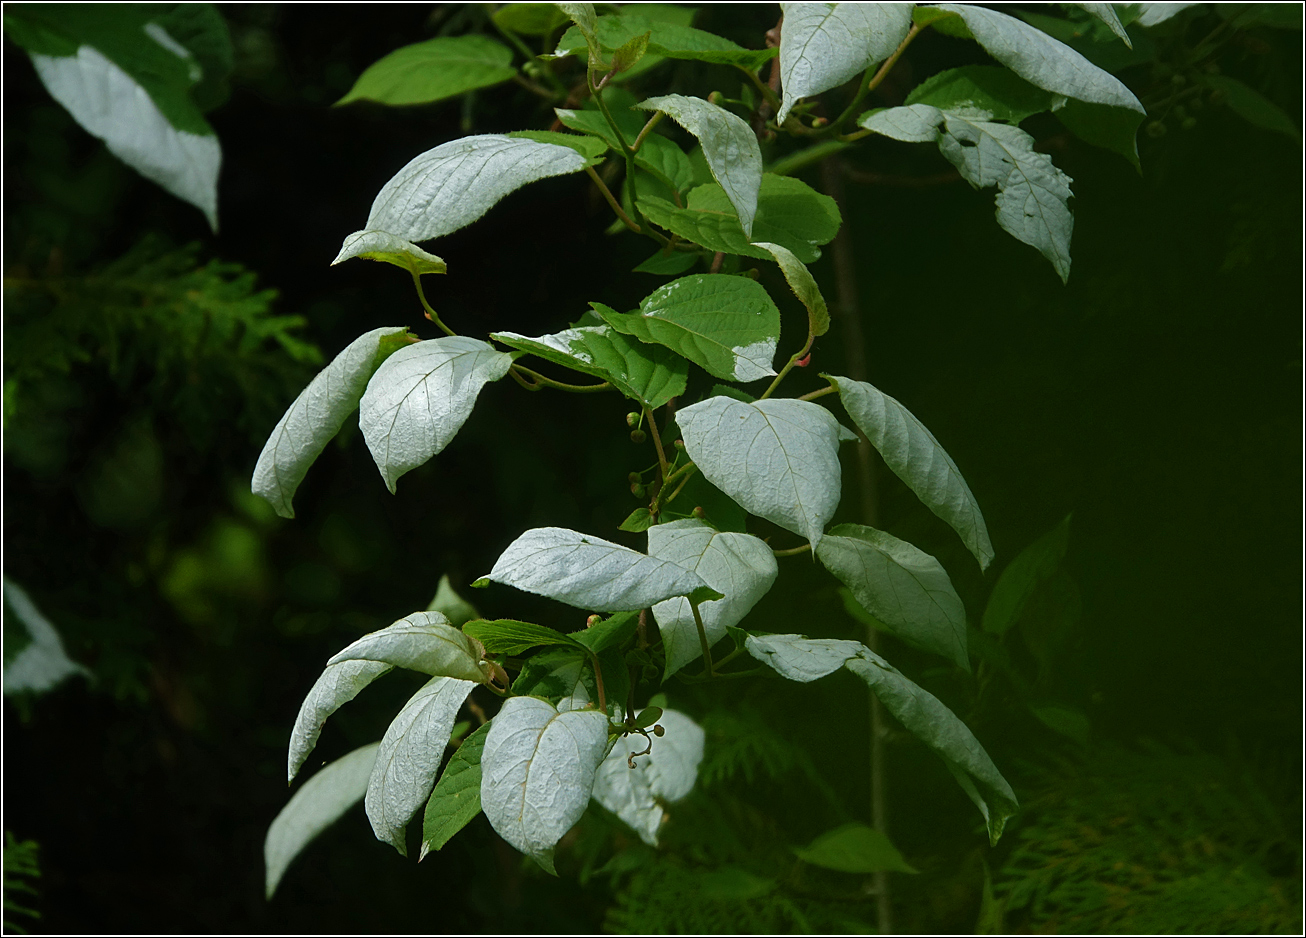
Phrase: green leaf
(1041,60)
(1032,566)
(591,121)
(609,632)
(779,459)
(454,184)
(648,374)
(1067,721)
(668,265)
(740,566)
(1252,106)
(511,637)
(902,586)
(418,400)
(789,213)
(1095,42)
(538,768)
(314,808)
(1247,15)
(583,15)
(1032,192)
(913,454)
(317,415)
(202,30)
(718,509)
(592,148)
(666,161)
(385,247)
(457,796)
(732,884)
(668,39)
(529,19)
(854,848)
(800,280)
(410,756)
(1000,91)
(42,662)
(1111,128)
(439,68)
(453,607)
(726,325)
(728,144)
(588,572)
(824,45)
(553,674)
(127,81)
(638,520)
(627,56)
(423,641)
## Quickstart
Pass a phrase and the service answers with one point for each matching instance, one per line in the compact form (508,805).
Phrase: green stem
(598,681)
(813,395)
(768,95)
(789,365)
(611,200)
(657,444)
(652,122)
(873,82)
(683,482)
(790,552)
(538,381)
(430,313)
(796,162)
(626,151)
(702,640)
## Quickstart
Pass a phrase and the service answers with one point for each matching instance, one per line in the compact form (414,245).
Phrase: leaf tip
(482,582)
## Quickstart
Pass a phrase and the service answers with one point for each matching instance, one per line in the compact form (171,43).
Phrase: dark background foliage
(1157,397)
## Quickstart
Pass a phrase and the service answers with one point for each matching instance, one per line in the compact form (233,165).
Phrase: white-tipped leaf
(1032,192)
(382,246)
(925,717)
(824,45)
(590,573)
(421,396)
(729,146)
(915,456)
(800,658)
(338,684)
(779,459)
(314,808)
(410,756)
(803,284)
(317,415)
(665,774)
(537,772)
(114,106)
(42,663)
(1041,60)
(902,586)
(456,183)
(423,641)
(1107,14)
(739,565)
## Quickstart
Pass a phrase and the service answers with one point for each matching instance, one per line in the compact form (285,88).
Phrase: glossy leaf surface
(433,70)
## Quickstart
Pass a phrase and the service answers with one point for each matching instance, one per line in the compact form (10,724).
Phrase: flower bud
(638,436)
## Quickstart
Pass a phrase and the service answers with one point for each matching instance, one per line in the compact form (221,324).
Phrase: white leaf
(925,717)
(915,456)
(1150,14)
(314,418)
(537,771)
(1032,192)
(1107,14)
(1041,60)
(111,105)
(588,572)
(43,663)
(667,772)
(338,684)
(729,146)
(779,459)
(741,566)
(902,586)
(423,641)
(456,183)
(314,808)
(420,397)
(800,658)
(823,45)
(410,756)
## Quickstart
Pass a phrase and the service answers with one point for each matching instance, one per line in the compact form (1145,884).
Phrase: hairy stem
(430,313)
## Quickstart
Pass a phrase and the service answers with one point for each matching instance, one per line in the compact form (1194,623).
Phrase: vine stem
(652,122)
(657,444)
(430,313)
(873,83)
(813,395)
(792,551)
(597,92)
(534,381)
(611,200)
(789,365)
(702,640)
(598,681)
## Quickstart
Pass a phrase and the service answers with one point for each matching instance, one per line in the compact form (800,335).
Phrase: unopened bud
(698,512)
(819,122)
(1189,123)
(1156,129)
(637,490)
(716,98)
(1178,80)
(593,621)
(638,436)
(679,444)
(632,419)
(634,478)
(658,730)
